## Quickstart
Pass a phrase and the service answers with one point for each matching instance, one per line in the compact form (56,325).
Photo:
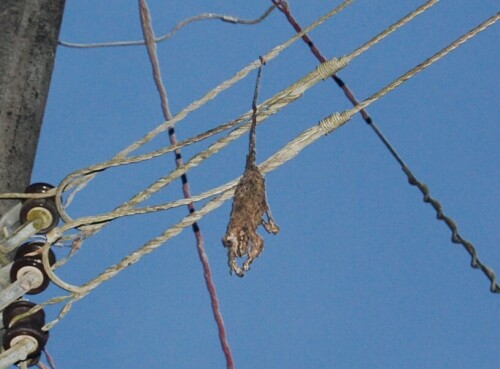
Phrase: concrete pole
(29,30)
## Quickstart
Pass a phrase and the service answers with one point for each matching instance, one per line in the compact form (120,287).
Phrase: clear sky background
(362,275)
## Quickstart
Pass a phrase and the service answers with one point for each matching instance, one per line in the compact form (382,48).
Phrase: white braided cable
(224,192)
(288,152)
(217,90)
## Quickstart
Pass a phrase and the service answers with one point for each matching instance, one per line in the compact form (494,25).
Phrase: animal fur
(249,205)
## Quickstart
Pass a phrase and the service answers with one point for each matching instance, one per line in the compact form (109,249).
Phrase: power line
(215,197)
(412,179)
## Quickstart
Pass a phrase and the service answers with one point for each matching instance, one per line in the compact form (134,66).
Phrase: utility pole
(29,30)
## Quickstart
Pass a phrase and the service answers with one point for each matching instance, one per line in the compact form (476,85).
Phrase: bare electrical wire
(285,154)
(377,95)
(148,32)
(205,16)
(216,197)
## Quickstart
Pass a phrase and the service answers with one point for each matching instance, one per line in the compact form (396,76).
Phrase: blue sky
(362,275)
